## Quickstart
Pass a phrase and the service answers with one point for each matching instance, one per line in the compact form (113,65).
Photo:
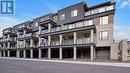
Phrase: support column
(31,53)
(31,42)
(39,42)
(49,40)
(17,44)
(49,53)
(3,53)
(61,39)
(9,42)
(24,36)
(61,53)
(75,53)
(92,53)
(24,53)
(39,53)
(18,53)
(8,53)
(75,37)
(49,27)
(91,36)
(0,54)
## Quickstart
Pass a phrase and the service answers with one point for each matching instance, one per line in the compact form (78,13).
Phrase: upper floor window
(88,22)
(62,16)
(36,24)
(74,13)
(102,9)
(104,20)
(103,35)
(110,7)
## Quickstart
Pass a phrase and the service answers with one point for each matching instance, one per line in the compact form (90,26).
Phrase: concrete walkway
(75,62)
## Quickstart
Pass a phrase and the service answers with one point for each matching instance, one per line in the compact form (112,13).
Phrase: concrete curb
(75,62)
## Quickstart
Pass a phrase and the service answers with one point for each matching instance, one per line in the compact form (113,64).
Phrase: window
(101,9)
(88,22)
(103,20)
(36,24)
(74,13)
(110,7)
(71,26)
(62,16)
(103,35)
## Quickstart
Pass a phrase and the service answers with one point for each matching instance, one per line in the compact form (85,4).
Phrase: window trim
(74,13)
(103,37)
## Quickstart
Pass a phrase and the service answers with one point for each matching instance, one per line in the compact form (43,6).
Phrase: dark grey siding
(67,12)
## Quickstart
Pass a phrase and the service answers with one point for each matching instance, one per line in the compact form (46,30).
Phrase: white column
(61,39)
(75,53)
(24,36)
(3,53)
(75,37)
(17,44)
(8,53)
(39,53)
(18,54)
(49,53)
(91,36)
(60,53)
(31,53)
(39,43)
(9,42)
(31,42)
(49,27)
(24,53)
(40,29)
(92,53)
(0,53)
(49,40)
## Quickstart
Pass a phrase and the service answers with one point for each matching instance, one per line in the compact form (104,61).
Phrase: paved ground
(26,66)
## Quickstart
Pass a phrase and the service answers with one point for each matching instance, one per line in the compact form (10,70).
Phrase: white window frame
(111,7)
(104,35)
(88,22)
(104,20)
(103,9)
(62,17)
(74,13)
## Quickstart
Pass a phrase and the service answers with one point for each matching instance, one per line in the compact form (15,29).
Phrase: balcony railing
(20,36)
(68,27)
(44,44)
(68,42)
(83,40)
(55,43)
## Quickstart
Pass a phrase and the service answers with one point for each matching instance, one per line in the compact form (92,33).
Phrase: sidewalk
(75,62)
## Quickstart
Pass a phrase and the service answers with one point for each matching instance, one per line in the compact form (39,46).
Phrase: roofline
(102,4)
(72,6)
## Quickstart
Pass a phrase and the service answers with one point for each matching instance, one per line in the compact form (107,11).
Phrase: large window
(74,13)
(88,22)
(104,20)
(104,35)
(102,9)
(62,16)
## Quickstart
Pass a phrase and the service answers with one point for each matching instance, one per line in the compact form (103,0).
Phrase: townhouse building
(75,32)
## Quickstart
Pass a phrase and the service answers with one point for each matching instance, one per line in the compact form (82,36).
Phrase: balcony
(44,31)
(70,27)
(44,44)
(83,40)
(68,42)
(53,43)
(21,46)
